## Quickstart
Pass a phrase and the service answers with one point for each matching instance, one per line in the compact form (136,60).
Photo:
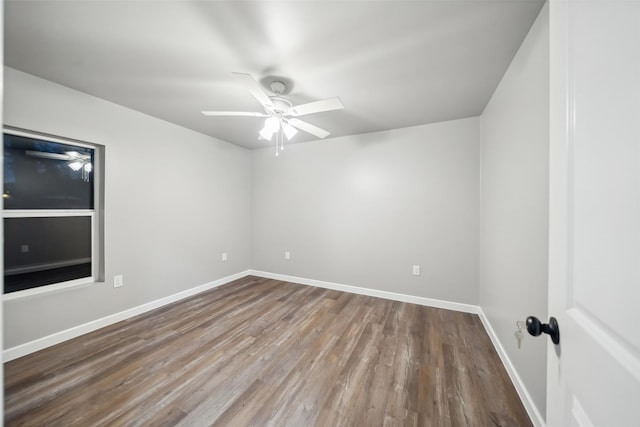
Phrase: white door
(593,376)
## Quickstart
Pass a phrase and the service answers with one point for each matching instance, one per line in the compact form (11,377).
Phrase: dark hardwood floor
(264,352)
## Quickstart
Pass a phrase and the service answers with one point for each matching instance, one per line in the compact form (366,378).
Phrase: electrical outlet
(416,270)
(224,256)
(287,255)
(117,281)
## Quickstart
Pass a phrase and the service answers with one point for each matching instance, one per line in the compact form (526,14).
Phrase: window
(50,221)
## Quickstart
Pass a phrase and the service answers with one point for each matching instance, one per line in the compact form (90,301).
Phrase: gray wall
(514,205)
(174,199)
(361,210)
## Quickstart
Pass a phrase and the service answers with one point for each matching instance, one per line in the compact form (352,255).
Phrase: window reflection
(46,175)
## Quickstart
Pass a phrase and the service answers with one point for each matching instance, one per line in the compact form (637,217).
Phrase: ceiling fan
(281,114)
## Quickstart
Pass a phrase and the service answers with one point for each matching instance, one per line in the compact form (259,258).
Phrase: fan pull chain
(281,139)
(277,134)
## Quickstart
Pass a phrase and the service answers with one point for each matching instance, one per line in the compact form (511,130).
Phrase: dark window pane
(42,251)
(40,174)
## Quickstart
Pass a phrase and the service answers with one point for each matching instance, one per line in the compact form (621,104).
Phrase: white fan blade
(234,113)
(254,87)
(308,127)
(316,107)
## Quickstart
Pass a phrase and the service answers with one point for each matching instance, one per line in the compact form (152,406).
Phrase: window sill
(49,289)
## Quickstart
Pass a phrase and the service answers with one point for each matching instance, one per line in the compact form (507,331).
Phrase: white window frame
(96,244)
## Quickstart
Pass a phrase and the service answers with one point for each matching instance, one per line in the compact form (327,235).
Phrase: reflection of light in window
(79,161)
(75,165)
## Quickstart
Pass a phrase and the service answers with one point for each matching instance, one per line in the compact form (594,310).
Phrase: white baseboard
(76,331)
(536,418)
(430,302)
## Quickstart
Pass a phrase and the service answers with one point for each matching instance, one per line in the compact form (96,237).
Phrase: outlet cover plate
(117,281)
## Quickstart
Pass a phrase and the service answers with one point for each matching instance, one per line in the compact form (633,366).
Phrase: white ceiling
(392,63)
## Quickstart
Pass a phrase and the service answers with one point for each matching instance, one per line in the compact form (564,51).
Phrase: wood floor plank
(264,352)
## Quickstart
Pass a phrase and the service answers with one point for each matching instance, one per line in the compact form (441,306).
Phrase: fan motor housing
(277,87)
(281,105)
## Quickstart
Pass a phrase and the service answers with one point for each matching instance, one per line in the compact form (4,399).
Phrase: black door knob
(535,327)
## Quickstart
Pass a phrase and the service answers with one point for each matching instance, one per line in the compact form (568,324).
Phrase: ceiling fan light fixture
(272,124)
(289,131)
(266,133)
